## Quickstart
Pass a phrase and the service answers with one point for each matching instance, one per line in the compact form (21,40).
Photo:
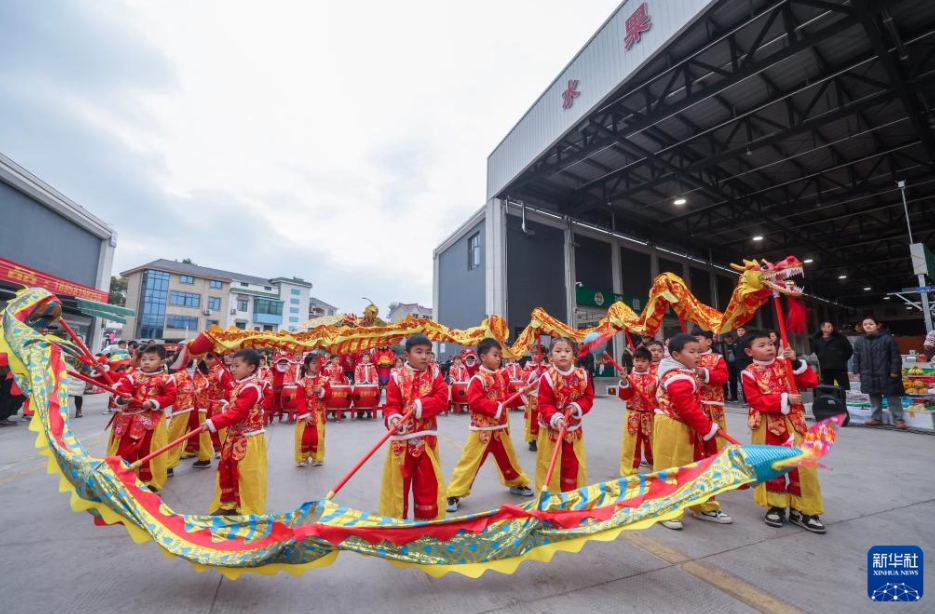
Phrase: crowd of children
(674,417)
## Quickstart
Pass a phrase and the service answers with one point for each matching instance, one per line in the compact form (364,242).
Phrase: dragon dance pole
(777,303)
(363,459)
(84,348)
(720,433)
(555,451)
(94,382)
(334,489)
(139,463)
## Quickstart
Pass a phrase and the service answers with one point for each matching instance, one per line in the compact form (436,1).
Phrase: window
(210,323)
(153,304)
(243,304)
(185,299)
(268,288)
(214,284)
(293,310)
(186,279)
(296,291)
(244,284)
(293,319)
(474,251)
(214,302)
(294,301)
(182,322)
(265,306)
(240,325)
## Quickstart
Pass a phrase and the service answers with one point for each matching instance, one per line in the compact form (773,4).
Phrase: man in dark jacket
(833,351)
(741,360)
(878,363)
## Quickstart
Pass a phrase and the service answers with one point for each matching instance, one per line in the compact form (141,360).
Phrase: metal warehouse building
(688,134)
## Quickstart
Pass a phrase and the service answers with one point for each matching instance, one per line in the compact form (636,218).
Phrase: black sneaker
(202,464)
(775,517)
(452,504)
(533,446)
(170,473)
(809,523)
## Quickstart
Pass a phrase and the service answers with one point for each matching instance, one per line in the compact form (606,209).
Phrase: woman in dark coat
(878,363)
(833,351)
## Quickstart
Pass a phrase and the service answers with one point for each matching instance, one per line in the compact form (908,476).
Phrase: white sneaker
(317,463)
(302,464)
(452,504)
(675,525)
(716,516)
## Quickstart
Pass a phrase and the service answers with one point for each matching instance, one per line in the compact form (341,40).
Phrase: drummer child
(365,374)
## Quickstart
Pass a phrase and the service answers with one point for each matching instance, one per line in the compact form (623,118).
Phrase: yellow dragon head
(766,277)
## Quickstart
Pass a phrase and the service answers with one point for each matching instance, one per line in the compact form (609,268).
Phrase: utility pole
(924,295)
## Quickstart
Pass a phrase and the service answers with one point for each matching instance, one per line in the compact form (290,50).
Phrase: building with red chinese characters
(48,240)
(689,134)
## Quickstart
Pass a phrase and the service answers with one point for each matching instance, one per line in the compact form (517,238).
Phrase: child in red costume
(314,388)
(412,461)
(241,480)
(489,431)
(682,432)
(638,389)
(220,382)
(140,424)
(565,396)
(534,368)
(365,373)
(777,417)
(713,374)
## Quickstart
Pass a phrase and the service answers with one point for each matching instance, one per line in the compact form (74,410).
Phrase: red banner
(25,276)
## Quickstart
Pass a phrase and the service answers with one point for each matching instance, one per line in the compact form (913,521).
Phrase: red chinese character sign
(637,23)
(570,93)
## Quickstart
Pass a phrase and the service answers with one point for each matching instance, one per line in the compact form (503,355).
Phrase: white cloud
(341,138)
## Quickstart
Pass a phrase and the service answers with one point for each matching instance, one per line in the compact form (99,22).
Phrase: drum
(340,399)
(366,396)
(514,387)
(289,395)
(459,395)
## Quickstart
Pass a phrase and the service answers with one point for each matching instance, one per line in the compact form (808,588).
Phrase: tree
(393,306)
(188,261)
(118,291)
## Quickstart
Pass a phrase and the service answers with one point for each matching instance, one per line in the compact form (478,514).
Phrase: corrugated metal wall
(593,263)
(535,272)
(461,290)
(600,67)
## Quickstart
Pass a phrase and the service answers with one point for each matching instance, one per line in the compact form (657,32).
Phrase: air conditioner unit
(233,311)
(207,312)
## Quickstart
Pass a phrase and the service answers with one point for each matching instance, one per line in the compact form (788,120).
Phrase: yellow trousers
(673,448)
(251,482)
(545,447)
(801,490)
(474,454)
(159,465)
(422,475)
(531,419)
(630,456)
(319,454)
(178,426)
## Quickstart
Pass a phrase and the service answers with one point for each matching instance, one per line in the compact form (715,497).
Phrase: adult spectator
(878,364)
(741,360)
(727,347)
(833,351)
(10,398)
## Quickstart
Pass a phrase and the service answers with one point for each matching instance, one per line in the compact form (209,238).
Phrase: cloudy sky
(338,141)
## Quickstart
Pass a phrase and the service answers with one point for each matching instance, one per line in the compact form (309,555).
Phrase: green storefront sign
(590,297)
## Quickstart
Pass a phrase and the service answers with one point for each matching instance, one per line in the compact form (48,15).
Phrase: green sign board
(597,298)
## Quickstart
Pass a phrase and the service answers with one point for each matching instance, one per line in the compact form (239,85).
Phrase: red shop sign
(25,276)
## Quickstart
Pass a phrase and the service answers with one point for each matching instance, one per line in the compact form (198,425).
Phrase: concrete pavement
(879,490)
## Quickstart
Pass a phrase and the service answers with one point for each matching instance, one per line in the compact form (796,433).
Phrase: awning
(114,313)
